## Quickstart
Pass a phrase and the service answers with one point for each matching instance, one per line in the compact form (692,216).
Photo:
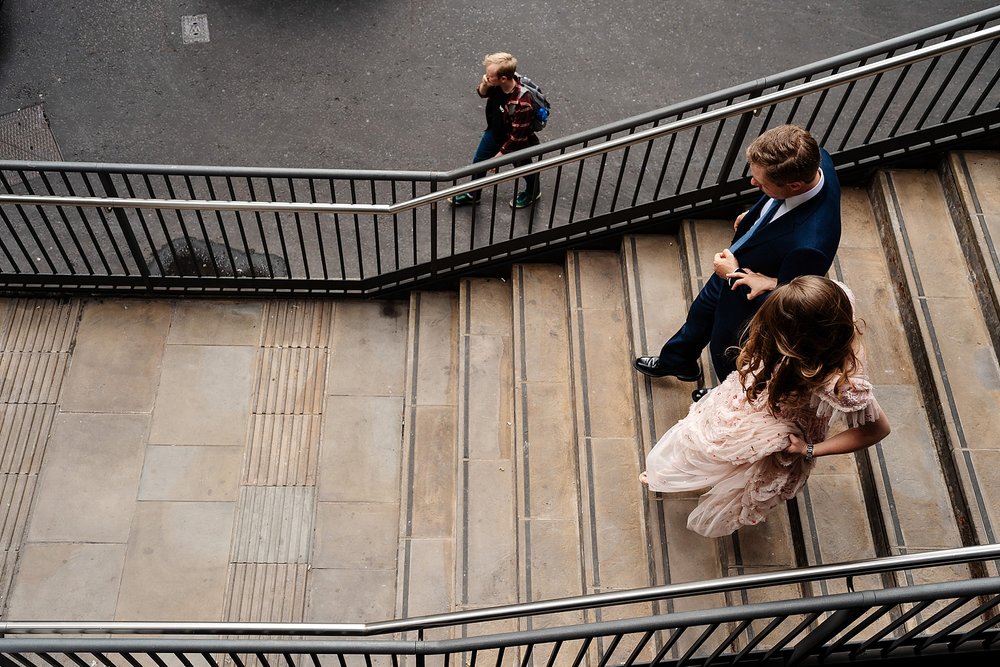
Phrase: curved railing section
(162,229)
(787,621)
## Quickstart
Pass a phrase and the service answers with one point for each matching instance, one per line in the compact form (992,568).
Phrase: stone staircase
(356,461)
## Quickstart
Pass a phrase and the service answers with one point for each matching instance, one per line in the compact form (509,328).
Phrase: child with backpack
(515,111)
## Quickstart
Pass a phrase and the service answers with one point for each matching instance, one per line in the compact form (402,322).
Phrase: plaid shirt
(518,115)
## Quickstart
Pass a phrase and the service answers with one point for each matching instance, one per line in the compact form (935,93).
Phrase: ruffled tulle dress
(734,448)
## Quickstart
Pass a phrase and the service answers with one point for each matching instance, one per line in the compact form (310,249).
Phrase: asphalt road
(388,85)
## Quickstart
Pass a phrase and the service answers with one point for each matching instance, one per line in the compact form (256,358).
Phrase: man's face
(491,75)
(758,177)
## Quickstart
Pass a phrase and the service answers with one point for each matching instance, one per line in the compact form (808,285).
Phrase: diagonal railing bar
(783,578)
(351,232)
(706,118)
(824,617)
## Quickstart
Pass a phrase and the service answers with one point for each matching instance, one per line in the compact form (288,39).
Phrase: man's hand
(757,282)
(796,445)
(739,219)
(724,263)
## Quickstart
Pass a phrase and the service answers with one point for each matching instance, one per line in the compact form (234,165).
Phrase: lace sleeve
(854,400)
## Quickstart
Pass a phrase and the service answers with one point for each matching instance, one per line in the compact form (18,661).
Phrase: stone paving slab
(85,453)
(976,176)
(204,395)
(430,469)
(905,466)
(962,360)
(548,461)
(653,265)
(176,563)
(350,595)
(356,535)
(69,581)
(360,451)
(116,361)
(196,322)
(486,569)
(429,585)
(613,521)
(191,473)
(434,352)
(369,349)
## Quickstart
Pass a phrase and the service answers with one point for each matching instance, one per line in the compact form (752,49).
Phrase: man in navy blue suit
(793,230)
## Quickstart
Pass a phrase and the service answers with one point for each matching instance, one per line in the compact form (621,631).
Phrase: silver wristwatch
(809,451)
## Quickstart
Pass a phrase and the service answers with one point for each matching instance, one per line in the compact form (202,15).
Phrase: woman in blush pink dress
(752,440)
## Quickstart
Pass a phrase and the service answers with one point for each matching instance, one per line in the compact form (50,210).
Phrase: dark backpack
(538,102)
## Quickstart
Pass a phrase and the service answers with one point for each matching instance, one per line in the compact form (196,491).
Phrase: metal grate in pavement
(25,135)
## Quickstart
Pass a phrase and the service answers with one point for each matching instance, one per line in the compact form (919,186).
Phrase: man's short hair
(787,154)
(506,63)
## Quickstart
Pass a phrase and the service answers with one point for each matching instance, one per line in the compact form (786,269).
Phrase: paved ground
(353,84)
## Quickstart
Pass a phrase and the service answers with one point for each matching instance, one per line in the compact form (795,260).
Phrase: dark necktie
(761,221)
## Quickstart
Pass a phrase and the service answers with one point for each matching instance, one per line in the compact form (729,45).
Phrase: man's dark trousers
(802,242)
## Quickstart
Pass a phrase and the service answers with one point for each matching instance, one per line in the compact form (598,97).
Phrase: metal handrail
(848,571)
(245,231)
(560,160)
(860,599)
(737,90)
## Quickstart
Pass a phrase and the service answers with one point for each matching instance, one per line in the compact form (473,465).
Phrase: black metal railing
(865,623)
(161,229)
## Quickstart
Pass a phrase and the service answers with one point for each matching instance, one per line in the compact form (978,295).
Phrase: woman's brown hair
(802,335)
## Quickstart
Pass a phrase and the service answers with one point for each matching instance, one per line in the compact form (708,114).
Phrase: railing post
(133,244)
(434,224)
(741,132)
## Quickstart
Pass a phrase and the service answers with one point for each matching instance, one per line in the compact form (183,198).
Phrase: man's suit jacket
(801,242)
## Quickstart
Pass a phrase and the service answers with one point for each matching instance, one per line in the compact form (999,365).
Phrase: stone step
(654,273)
(955,360)
(972,183)
(428,472)
(353,567)
(548,484)
(616,547)
(768,545)
(486,563)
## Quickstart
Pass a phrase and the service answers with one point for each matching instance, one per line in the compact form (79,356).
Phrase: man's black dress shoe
(699,394)
(651,366)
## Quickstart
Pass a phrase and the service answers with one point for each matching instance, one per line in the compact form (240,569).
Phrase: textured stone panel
(298,323)
(290,381)
(274,524)
(283,450)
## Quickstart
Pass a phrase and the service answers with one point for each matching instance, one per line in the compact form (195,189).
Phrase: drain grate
(25,135)
(194,29)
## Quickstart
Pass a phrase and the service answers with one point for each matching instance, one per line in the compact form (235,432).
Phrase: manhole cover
(25,135)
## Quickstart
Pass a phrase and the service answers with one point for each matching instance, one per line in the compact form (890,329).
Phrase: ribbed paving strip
(275,514)
(35,341)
